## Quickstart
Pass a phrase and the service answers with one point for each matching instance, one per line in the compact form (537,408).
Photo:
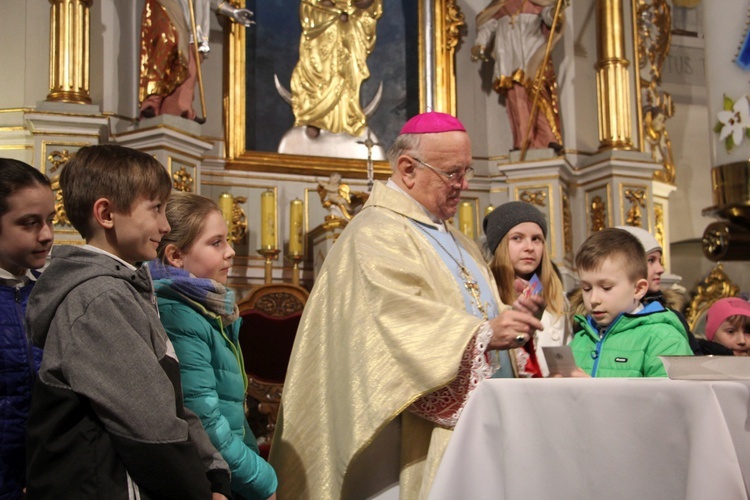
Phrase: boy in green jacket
(621,337)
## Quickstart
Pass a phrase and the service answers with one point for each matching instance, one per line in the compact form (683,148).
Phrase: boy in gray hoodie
(106,418)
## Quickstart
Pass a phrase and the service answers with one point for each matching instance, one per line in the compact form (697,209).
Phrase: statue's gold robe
(386,324)
(336,39)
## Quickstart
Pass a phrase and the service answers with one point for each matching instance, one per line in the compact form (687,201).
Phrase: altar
(600,438)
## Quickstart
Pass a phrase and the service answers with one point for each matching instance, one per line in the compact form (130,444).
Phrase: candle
(466,218)
(295,226)
(268,220)
(226,204)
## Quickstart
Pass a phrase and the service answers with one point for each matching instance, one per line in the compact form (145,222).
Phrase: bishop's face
(449,152)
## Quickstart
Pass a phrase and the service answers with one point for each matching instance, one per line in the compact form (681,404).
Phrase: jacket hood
(70,267)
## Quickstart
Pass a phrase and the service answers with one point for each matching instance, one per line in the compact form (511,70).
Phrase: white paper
(560,360)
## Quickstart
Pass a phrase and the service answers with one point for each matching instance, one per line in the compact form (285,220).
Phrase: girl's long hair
(502,268)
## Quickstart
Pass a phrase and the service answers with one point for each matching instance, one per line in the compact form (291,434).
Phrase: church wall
(25,54)
(689,132)
(114,56)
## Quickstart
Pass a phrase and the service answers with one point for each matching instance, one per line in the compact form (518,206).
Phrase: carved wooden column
(612,77)
(69,51)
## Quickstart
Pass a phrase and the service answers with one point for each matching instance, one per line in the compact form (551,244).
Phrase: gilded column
(449,20)
(69,51)
(612,77)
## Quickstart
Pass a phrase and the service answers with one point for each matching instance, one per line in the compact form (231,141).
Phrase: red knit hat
(432,122)
(723,309)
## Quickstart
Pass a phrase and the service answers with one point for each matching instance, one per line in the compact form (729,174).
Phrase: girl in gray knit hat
(516,233)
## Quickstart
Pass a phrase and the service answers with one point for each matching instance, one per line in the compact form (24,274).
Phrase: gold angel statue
(340,201)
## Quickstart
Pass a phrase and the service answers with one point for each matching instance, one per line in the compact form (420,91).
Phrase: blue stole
(450,245)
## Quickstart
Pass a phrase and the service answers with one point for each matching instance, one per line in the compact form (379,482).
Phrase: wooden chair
(270,316)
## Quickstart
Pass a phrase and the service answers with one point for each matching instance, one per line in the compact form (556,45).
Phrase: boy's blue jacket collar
(647,309)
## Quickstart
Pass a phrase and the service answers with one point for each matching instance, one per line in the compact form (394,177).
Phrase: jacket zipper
(27,341)
(598,349)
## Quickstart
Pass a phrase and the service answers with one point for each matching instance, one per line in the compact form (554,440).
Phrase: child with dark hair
(107,418)
(27,207)
(620,337)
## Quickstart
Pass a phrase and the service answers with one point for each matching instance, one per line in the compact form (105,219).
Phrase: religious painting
(282,64)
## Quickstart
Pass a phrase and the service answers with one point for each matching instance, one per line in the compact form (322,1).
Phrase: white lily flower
(736,121)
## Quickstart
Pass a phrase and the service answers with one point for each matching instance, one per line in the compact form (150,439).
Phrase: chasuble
(386,324)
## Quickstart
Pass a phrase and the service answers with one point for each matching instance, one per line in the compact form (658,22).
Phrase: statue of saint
(520,29)
(168,69)
(337,36)
(337,198)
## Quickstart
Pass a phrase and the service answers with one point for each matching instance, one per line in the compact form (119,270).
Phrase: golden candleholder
(295,258)
(270,255)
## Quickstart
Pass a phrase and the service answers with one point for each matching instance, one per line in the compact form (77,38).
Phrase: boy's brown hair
(610,243)
(120,174)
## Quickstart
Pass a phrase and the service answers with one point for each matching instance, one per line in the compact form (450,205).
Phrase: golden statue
(169,65)
(337,36)
(337,198)
(656,142)
(515,33)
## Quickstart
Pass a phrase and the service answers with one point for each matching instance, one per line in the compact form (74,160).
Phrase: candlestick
(488,210)
(226,204)
(268,220)
(466,218)
(295,259)
(270,255)
(295,227)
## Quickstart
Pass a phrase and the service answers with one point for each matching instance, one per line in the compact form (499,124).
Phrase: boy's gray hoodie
(106,418)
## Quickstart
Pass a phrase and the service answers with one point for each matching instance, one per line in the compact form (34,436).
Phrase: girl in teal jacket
(202,321)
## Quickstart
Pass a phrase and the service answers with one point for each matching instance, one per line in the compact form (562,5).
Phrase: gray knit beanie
(507,216)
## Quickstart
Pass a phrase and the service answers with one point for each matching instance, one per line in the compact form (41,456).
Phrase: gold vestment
(334,45)
(386,324)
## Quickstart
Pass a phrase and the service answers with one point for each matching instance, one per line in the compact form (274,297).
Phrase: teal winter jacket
(632,344)
(213,385)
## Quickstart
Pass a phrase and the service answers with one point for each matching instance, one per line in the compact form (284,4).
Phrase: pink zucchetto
(432,122)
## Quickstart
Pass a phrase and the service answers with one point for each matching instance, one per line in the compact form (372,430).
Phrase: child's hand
(577,373)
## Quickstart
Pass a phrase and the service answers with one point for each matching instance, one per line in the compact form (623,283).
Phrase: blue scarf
(206,295)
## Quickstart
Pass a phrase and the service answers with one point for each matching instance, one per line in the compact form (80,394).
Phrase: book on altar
(707,367)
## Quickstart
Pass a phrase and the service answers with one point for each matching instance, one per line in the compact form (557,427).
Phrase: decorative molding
(598,214)
(537,198)
(637,199)
(567,227)
(715,285)
(183,181)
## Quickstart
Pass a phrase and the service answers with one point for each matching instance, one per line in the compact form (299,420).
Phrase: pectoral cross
(473,288)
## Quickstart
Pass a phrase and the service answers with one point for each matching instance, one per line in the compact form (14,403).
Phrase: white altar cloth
(600,439)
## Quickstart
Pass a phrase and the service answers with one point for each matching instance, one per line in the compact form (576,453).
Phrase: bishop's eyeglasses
(455,176)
